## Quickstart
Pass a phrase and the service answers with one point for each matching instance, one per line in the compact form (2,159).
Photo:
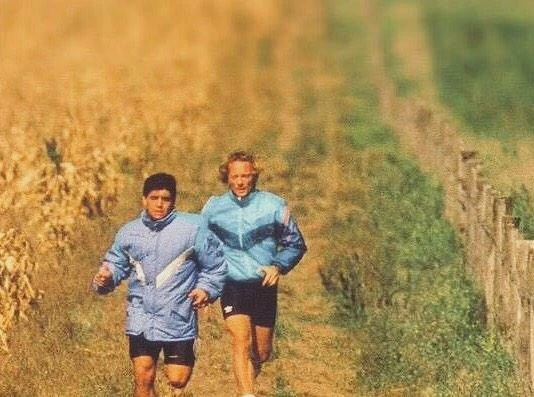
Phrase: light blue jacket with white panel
(163,261)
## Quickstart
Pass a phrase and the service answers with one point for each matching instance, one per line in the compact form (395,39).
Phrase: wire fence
(500,259)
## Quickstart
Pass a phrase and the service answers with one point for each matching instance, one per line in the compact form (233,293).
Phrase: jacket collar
(243,202)
(157,225)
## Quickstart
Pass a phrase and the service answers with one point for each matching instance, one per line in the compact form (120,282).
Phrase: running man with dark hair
(173,266)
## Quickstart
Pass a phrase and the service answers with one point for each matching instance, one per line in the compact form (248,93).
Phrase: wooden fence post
(462,171)
(531,341)
(481,242)
(472,175)
(512,310)
(485,239)
(525,248)
(499,212)
(529,284)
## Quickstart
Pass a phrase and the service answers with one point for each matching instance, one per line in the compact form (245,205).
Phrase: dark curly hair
(239,155)
(159,181)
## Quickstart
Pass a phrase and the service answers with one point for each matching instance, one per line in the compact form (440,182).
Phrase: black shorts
(180,352)
(252,299)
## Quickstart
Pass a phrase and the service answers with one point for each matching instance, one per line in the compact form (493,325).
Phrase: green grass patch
(485,65)
(396,266)
(402,287)
(281,388)
(523,208)
(285,330)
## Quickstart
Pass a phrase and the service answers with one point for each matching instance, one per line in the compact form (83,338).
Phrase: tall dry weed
(170,86)
(17,263)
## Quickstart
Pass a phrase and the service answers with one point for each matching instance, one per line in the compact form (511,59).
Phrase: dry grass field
(125,88)
(96,95)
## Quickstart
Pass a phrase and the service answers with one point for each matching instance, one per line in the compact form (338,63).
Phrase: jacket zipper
(240,227)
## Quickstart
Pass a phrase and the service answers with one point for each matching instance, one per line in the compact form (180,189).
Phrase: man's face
(240,177)
(158,203)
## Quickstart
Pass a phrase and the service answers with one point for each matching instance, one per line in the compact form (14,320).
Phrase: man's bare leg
(240,329)
(178,376)
(262,346)
(144,369)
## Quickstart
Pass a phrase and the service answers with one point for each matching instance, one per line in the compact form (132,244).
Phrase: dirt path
(410,48)
(253,76)
(311,356)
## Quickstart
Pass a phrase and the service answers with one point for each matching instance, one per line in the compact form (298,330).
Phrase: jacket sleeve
(211,262)
(290,242)
(118,263)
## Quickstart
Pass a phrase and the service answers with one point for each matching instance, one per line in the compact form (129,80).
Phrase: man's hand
(271,274)
(103,277)
(199,298)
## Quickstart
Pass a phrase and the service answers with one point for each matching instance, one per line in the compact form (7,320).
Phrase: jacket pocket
(181,315)
(135,318)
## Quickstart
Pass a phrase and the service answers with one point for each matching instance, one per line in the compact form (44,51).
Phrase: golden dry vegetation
(96,95)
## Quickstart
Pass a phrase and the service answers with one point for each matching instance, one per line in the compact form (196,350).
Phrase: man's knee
(178,383)
(264,355)
(242,344)
(263,343)
(144,374)
(178,376)
(144,380)
(241,341)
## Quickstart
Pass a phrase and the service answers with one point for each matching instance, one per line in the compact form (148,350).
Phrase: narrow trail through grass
(312,357)
(268,89)
(174,86)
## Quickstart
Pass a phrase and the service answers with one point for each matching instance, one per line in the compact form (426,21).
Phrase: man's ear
(143,202)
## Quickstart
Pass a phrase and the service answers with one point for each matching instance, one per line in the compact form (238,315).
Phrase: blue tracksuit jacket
(256,231)
(142,249)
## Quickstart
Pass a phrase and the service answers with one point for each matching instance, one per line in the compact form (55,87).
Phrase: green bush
(395,267)
(523,208)
(403,284)
(434,339)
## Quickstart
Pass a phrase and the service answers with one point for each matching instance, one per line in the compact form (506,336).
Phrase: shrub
(523,208)
(403,284)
